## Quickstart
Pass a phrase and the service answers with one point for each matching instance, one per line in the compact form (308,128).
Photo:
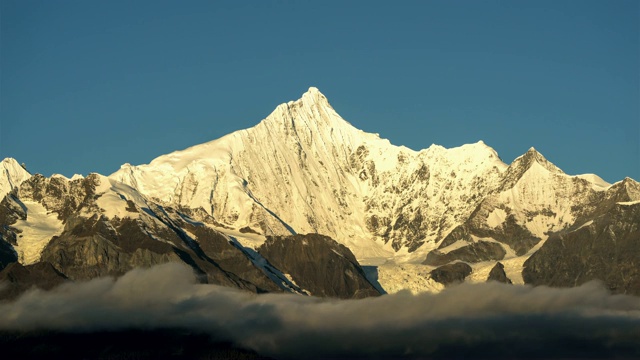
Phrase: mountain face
(234,209)
(310,261)
(58,229)
(606,248)
(304,169)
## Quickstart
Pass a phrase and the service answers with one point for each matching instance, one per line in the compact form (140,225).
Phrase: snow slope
(13,174)
(35,232)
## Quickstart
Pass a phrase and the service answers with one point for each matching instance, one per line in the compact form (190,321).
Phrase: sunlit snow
(35,232)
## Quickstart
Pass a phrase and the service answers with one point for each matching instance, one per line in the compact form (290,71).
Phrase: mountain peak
(12,166)
(311,99)
(10,162)
(312,110)
(313,96)
(626,190)
(13,174)
(313,90)
(534,156)
(529,160)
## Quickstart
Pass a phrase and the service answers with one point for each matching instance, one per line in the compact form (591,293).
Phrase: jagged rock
(11,210)
(497,274)
(451,273)
(606,248)
(107,230)
(16,278)
(231,257)
(104,228)
(319,265)
(472,253)
(95,247)
(91,248)
(459,233)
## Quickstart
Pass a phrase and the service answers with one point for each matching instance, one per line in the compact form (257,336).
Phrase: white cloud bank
(497,319)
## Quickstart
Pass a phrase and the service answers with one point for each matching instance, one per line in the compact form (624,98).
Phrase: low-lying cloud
(497,319)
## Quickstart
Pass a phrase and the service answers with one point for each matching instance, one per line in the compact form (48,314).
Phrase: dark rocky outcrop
(95,247)
(11,210)
(472,253)
(511,233)
(451,273)
(458,233)
(93,244)
(231,257)
(319,265)
(607,249)
(61,196)
(497,274)
(92,247)
(16,278)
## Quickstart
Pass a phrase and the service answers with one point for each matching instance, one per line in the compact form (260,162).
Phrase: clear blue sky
(89,85)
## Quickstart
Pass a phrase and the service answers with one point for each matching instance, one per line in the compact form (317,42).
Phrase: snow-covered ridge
(596,180)
(305,169)
(11,176)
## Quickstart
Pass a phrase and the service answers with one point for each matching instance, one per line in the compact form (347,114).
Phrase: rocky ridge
(90,227)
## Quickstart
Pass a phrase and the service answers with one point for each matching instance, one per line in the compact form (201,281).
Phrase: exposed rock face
(94,226)
(16,278)
(318,264)
(231,257)
(474,252)
(98,238)
(497,274)
(93,247)
(11,210)
(606,248)
(451,273)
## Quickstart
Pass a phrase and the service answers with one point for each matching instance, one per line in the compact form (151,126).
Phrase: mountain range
(304,202)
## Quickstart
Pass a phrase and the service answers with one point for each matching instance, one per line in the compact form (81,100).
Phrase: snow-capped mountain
(412,215)
(304,169)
